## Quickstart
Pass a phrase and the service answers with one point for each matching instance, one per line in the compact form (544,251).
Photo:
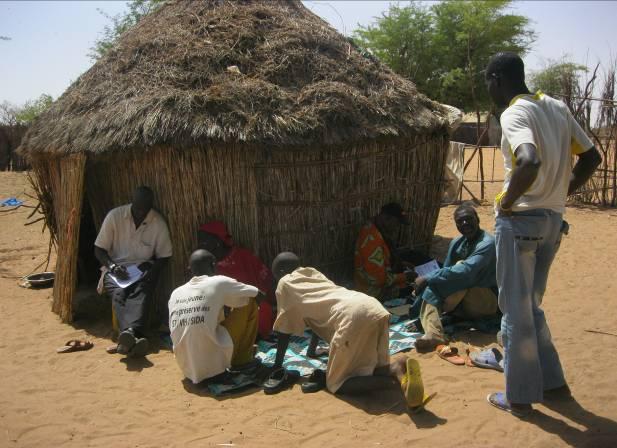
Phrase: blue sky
(50,40)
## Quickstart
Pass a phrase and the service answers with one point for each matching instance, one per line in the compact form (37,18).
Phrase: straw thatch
(294,152)
(255,71)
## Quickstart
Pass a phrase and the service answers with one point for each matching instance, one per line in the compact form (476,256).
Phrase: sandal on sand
(412,386)
(126,342)
(140,349)
(75,345)
(279,380)
(487,359)
(112,349)
(315,382)
(450,354)
(499,400)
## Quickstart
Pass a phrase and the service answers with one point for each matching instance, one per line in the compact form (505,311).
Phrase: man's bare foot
(428,343)
(398,367)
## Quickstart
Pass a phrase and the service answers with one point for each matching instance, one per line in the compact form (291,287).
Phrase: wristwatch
(112,266)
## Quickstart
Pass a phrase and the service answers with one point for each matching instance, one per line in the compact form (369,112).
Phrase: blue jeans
(526,246)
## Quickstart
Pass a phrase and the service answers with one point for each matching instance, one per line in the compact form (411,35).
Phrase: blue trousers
(526,246)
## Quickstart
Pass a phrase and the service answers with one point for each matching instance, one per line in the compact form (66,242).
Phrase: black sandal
(126,342)
(315,382)
(279,380)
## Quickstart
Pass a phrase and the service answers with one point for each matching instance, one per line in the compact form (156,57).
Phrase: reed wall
(311,200)
(59,183)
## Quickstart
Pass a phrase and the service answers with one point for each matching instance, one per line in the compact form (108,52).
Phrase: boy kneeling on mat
(205,343)
(354,324)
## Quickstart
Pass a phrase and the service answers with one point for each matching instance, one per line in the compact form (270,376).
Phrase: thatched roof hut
(254,112)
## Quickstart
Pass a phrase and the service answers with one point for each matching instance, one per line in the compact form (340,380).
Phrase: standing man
(539,138)
(132,235)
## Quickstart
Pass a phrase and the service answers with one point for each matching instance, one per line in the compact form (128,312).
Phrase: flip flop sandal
(126,342)
(498,399)
(413,387)
(75,345)
(450,354)
(112,349)
(280,380)
(140,349)
(315,382)
(487,359)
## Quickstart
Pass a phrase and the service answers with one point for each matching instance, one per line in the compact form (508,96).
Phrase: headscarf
(218,229)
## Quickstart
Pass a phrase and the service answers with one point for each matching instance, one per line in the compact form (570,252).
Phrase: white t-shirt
(126,244)
(202,347)
(547,124)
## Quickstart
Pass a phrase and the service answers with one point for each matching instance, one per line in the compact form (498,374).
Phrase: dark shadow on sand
(599,432)
(92,313)
(136,364)
(201,390)
(391,401)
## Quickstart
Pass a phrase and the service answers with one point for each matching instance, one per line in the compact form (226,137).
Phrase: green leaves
(558,78)
(33,108)
(443,48)
(138,9)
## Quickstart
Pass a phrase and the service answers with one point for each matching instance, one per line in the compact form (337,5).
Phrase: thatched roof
(254,71)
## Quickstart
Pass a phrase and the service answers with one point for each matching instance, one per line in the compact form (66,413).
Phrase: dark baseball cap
(395,210)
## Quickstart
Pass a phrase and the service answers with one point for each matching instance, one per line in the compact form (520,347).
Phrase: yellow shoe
(412,386)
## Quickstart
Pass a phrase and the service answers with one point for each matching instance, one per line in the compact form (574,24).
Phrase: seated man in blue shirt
(467,283)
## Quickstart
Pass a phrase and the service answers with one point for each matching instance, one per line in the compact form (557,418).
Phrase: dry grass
(168,82)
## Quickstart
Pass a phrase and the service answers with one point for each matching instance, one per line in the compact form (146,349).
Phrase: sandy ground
(95,399)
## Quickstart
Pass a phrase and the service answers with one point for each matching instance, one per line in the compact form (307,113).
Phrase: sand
(96,399)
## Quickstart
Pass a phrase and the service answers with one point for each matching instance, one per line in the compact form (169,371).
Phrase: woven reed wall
(63,180)
(312,201)
(190,186)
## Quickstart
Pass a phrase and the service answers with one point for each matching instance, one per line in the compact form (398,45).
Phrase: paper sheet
(426,268)
(134,275)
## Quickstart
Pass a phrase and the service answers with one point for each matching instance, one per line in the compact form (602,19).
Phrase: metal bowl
(41,280)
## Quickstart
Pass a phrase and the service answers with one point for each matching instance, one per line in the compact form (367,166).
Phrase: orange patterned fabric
(372,265)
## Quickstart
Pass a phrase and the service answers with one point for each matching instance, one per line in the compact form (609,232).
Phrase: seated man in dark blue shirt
(467,283)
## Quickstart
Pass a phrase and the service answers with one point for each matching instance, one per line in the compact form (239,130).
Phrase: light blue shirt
(476,269)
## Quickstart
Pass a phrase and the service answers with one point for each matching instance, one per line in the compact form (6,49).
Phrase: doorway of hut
(91,311)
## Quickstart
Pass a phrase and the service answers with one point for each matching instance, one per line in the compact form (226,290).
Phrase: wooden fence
(484,175)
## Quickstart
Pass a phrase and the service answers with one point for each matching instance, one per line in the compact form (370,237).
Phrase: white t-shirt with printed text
(547,124)
(202,347)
